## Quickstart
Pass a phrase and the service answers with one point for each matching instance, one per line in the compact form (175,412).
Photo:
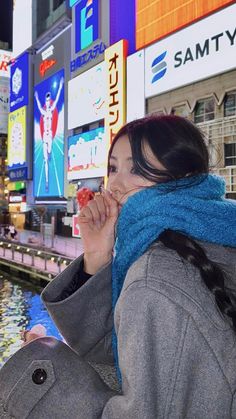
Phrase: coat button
(39,376)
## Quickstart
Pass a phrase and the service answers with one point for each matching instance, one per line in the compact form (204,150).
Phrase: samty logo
(86,23)
(159,67)
(17,81)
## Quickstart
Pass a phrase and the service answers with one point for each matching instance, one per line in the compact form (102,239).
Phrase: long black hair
(181,148)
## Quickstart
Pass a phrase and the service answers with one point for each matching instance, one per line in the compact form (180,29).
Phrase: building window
(57,3)
(204,110)
(230,154)
(230,104)
(180,110)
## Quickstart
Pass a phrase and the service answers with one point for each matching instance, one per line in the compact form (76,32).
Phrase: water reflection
(20,308)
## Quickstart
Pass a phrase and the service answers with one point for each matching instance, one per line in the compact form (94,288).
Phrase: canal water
(20,308)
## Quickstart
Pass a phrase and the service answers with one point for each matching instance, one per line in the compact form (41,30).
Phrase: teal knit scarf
(194,206)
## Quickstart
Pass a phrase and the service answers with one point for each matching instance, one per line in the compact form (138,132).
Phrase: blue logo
(19,82)
(86,24)
(159,67)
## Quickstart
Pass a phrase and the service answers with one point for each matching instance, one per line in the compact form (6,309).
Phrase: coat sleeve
(150,332)
(84,318)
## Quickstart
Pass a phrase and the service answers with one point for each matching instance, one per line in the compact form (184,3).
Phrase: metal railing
(41,260)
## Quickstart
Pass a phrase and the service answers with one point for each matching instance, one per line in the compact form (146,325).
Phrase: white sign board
(202,50)
(22,26)
(135,86)
(86,97)
(4,104)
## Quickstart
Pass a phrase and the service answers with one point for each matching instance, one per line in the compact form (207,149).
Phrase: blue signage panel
(20,174)
(48,174)
(19,82)
(86,24)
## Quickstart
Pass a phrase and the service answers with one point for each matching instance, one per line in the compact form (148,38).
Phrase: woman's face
(123,181)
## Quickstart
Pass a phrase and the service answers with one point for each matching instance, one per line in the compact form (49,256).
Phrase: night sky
(6,7)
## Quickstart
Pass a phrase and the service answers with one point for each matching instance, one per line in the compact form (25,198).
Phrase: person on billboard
(152,296)
(47,115)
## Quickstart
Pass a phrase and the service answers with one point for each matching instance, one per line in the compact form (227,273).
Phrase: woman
(153,292)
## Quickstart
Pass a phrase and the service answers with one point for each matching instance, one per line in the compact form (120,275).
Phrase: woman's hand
(37,331)
(97,222)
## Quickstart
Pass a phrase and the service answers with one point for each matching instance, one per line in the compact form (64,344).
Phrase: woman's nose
(115,184)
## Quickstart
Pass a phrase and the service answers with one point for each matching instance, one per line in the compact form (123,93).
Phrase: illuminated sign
(4,104)
(87,153)
(48,165)
(19,174)
(5,58)
(200,51)
(45,66)
(86,23)
(115,59)
(16,146)
(47,52)
(86,97)
(172,16)
(88,56)
(19,82)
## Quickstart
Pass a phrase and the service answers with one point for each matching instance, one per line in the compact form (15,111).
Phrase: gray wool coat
(177,352)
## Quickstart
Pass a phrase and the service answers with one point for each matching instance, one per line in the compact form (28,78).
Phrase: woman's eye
(112,169)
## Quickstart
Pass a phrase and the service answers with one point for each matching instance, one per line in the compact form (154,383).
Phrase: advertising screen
(87,155)
(86,97)
(16,146)
(86,23)
(19,82)
(169,16)
(202,50)
(48,164)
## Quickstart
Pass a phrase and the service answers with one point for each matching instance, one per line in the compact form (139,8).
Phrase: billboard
(170,16)
(4,104)
(16,146)
(48,166)
(86,23)
(202,50)
(115,59)
(19,82)
(86,97)
(87,155)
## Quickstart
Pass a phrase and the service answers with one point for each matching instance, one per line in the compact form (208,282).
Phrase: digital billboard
(86,97)
(87,155)
(19,82)
(48,166)
(86,23)
(202,50)
(169,16)
(16,145)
